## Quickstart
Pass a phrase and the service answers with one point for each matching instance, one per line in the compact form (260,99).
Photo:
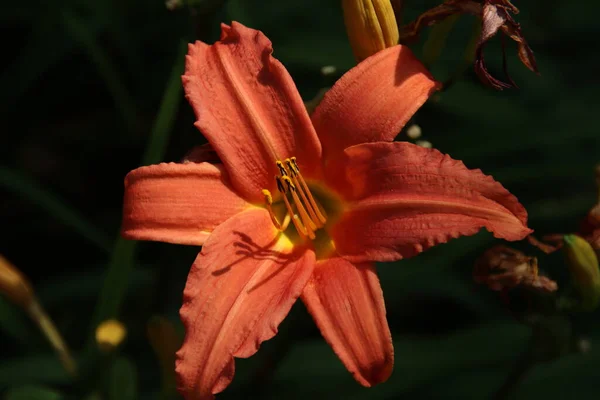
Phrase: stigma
(302,210)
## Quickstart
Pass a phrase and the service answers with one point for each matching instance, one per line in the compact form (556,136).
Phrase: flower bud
(371,26)
(583,264)
(14,285)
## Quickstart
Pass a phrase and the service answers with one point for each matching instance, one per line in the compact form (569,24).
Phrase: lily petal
(373,101)
(239,289)
(177,203)
(405,199)
(248,108)
(346,302)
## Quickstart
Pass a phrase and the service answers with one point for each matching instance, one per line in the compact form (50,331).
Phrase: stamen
(320,212)
(291,162)
(308,223)
(294,173)
(280,186)
(297,224)
(305,213)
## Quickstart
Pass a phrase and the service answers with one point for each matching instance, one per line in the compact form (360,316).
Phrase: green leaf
(28,189)
(123,380)
(33,393)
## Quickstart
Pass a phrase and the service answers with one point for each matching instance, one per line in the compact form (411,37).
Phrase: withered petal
(409,33)
(495,15)
(513,30)
(483,74)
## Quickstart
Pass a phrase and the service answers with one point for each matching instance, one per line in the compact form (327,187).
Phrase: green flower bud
(583,264)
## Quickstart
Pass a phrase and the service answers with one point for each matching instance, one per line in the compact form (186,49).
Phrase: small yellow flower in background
(16,287)
(110,334)
(371,26)
(583,264)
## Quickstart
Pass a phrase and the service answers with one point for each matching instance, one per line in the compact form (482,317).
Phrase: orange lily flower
(300,207)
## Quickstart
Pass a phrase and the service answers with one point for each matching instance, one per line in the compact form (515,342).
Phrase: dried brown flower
(502,267)
(495,15)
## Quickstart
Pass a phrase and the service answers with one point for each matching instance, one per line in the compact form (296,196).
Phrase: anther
(289,183)
(280,186)
(295,163)
(293,168)
(282,170)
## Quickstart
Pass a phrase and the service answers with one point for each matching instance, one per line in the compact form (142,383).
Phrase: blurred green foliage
(90,90)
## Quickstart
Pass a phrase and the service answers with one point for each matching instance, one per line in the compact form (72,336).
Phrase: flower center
(301,208)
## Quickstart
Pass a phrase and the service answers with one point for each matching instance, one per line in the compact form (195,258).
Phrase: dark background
(90,90)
